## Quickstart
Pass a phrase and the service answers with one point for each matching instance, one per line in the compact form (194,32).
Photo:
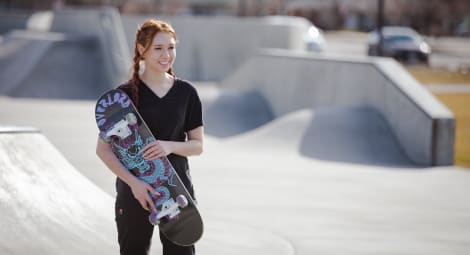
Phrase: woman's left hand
(156,150)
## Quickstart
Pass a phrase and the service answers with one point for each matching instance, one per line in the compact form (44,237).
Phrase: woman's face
(161,54)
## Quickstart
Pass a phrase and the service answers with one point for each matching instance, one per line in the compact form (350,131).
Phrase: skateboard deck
(121,125)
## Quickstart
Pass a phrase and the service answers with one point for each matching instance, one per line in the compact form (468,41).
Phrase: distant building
(434,17)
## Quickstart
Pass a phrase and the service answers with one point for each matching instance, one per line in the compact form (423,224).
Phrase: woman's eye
(158,48)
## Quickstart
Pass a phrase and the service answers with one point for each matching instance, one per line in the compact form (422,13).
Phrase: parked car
(315,39)
(401,43)
(463,28)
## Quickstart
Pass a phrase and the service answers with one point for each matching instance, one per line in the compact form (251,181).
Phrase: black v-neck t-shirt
(169,117)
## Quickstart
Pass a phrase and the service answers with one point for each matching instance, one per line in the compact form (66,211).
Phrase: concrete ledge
(294,80)
(212,47)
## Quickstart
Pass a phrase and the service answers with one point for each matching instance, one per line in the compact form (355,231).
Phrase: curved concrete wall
(291,81)
(106,25)
(21,53)
(52,65)
(210,48)
(10,21)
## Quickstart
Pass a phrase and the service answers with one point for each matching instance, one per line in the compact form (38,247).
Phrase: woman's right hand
(140,190)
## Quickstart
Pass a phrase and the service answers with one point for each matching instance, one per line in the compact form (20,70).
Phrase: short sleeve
(193,112)
(127,88)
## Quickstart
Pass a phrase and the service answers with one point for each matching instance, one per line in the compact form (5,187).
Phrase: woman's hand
(141,190)
(156,150)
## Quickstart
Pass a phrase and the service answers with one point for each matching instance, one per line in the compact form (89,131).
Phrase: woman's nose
(166,53)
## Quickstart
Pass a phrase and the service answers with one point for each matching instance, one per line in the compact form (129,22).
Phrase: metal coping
(17,129)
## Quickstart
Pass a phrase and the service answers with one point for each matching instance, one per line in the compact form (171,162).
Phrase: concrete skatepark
(304,153)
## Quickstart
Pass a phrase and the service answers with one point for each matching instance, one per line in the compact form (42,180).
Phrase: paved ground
(323,181)
(269,188)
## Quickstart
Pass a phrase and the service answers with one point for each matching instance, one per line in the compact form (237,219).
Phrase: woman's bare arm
(139,188)
(193,146)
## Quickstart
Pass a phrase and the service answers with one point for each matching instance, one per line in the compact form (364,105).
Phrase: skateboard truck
(121,128)
(170,210)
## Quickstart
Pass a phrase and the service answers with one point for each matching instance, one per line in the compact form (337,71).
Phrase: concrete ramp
(295,80)
(357,135)
(232,112)
(47,206)
(51,65)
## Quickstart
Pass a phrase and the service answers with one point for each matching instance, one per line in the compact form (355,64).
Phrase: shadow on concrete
(357,135)
(234,112)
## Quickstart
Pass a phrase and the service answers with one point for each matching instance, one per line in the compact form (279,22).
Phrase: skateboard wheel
(131,118)
(153,218)
(182,201)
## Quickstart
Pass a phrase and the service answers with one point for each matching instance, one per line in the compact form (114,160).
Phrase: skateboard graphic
(121,125)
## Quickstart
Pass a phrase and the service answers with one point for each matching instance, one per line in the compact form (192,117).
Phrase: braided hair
(144,37)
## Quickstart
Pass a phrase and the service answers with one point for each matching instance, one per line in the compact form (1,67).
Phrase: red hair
(144,37)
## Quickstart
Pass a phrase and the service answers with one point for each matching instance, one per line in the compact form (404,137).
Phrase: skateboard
(121,125)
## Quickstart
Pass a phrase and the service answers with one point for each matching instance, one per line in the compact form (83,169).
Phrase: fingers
(143,193)
(144,204)
(147,202)
(153,151)
(150,145)
(154,154)
(153,191)
(152,204)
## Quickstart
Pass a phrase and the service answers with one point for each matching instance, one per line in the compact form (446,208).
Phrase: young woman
(172,110)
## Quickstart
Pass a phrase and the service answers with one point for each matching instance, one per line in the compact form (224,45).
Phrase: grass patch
(458,103)
(438,76)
